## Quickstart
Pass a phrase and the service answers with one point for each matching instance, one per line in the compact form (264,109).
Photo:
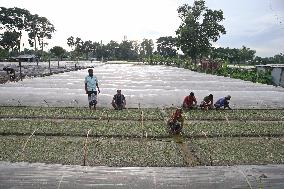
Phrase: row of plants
(79,113)
(100,151)
(134,129)
(140,152)
(233,129)
(135,114)
(242,115)
(80,128)
(232,151)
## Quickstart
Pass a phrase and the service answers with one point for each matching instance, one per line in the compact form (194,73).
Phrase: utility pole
(102,50)
(20,65)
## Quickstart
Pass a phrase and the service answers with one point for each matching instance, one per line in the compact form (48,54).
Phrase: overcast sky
(257,24)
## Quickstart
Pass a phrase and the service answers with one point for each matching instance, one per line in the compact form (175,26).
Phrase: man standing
(118,101)
(223,102)
(189,102)
(91,85)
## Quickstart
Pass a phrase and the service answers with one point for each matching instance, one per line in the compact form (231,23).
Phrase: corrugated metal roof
(271,65)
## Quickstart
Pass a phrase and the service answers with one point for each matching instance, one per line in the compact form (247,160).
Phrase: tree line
(200,27)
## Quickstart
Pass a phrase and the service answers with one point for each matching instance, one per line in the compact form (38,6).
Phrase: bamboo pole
(85,148)
(24,146)
(210,151)
(20,64)
(142,123)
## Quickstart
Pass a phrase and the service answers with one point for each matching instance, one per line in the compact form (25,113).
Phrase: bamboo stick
(85,148)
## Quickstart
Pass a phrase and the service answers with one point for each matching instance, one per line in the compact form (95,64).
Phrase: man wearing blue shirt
(91,85)
(223,102)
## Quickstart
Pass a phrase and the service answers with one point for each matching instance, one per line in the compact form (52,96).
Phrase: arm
(86,89)
(184,104)
(210,102)
(113,100)
(98,87)
(124,101)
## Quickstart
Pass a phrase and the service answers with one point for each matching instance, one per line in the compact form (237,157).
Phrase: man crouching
(118,101)
(175,122)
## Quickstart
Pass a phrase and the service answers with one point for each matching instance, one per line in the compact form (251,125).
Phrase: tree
(14,20)
(279,58)
(112,47)
(10,40)
(127,50)
(95,47)
(146,48)
(3,53)
(199,27)
(87,47)
(45,31)
(58,52)
(77,44)
(39,29)
(246,54)
(71,42)
(166,46)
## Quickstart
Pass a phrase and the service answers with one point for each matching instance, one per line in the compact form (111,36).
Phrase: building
(25,58)
(277,72)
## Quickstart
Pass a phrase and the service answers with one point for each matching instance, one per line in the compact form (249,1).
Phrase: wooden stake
(142,123)
(85,148)
(23,149)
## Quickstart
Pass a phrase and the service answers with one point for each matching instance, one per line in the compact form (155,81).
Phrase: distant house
(209,64)
(277,72)
(25,58)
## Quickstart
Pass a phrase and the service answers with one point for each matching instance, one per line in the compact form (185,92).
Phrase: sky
(256,24)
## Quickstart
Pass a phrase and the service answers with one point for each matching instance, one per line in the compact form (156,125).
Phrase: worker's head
(90,71)
(118,91)
(211,96)
(228,97)
(191,94)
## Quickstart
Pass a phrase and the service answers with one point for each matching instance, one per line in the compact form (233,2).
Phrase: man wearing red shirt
(189,102)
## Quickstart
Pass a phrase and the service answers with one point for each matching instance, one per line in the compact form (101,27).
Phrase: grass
(101,151)
(232,151)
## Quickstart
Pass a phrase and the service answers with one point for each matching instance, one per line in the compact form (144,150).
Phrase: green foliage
(39,28)
(199,27)
(58,52)
(3,53)
(228,151)
(16,20)
(166,46)
(146,48)
(234,56)
(234,137)
(10,40)
(245,74)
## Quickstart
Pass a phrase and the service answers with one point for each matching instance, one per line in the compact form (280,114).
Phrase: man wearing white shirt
(91,85)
